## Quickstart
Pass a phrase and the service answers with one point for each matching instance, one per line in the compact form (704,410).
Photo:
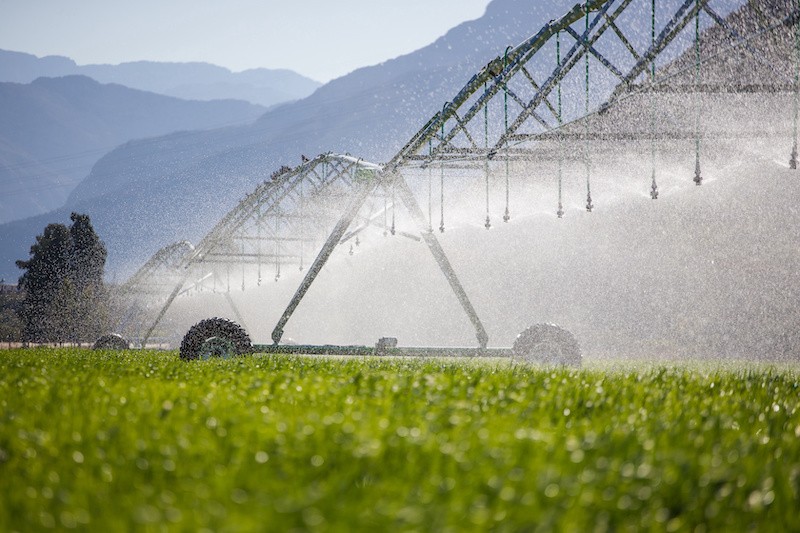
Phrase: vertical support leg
(407,196)
(363,189)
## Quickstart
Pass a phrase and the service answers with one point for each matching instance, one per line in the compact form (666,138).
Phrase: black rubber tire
(214,327)
(112,341)
(547,344)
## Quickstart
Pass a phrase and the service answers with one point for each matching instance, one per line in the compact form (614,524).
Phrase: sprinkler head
(654,191)
(793,159)
(506,216)
(441,228)
(488,223)
(560,212)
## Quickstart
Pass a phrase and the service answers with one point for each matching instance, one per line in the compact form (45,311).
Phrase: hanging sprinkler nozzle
(654,187)
(698,178)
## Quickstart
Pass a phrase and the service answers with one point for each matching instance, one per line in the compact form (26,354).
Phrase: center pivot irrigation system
(584,84)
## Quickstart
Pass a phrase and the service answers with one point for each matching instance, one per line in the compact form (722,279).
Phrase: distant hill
(191,81)
(54,129)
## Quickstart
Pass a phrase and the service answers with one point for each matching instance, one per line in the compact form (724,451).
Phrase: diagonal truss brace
(410,201)
(362,192)
(363,189)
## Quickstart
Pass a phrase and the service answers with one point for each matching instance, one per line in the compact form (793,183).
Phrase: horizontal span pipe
(414,351)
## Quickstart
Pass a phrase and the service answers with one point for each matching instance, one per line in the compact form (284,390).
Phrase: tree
(88,257)
(87,265)
(45,271)
(63,283)
(10,307)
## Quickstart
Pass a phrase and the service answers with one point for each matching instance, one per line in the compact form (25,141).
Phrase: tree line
(64,299)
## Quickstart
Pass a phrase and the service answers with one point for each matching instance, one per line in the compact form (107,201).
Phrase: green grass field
(140,440)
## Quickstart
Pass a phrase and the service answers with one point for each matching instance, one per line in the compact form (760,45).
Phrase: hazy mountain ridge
(54,129)
(191,81)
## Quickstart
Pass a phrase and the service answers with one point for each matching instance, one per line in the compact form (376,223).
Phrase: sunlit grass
(110,441)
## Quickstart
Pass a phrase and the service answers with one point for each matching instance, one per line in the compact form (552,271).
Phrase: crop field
(113,441)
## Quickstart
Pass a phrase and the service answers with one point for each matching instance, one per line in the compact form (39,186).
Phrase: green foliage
(88,257)
(63,282)
(115,441)
(10,326)
(10,322)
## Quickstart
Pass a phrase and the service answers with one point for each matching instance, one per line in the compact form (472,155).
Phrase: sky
(321,39)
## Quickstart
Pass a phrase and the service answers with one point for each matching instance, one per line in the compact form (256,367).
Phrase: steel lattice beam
(436,140)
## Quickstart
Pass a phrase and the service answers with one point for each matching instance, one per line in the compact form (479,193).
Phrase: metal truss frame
(286,212)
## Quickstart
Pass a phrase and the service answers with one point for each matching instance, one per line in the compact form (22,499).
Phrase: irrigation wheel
(547,344)
(112,341)
(215,337)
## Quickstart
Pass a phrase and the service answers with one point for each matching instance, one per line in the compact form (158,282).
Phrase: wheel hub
(217,347)
(547,352)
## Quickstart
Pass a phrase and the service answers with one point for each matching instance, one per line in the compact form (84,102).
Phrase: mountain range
(58,118)
(190,81)
(53,130)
